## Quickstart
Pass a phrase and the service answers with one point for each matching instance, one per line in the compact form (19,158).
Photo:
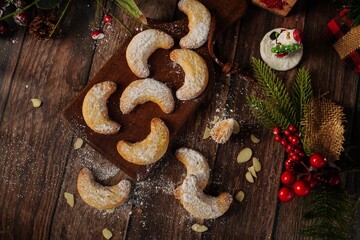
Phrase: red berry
(301,188)
(107,19)
(295,140)
(4,28)
(288,177)
(294,158)
(289,165)
(302,154)
(298,35)
(278,138)
(97,35)
(284,142)
(317,160)
(287,133)
(22,18)
(292,128)
(276,130)
(334,180)
(310,180)
(286,194)
(289,148)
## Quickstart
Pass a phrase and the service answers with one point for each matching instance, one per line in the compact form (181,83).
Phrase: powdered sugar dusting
(141,91)
(142,46)
(199,23)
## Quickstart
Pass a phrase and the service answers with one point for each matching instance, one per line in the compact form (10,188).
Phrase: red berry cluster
(99,34)
(277,4)
(302,173)
(22,18)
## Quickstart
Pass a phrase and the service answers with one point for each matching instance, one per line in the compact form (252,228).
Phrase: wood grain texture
(38,163)
(33,147)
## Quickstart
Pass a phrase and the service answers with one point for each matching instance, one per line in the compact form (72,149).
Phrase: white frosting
(280,64)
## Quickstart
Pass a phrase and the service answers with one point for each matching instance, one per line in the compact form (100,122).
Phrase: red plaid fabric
(336,29)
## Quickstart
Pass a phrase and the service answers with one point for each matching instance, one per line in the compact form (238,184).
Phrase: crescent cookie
(222,130)
(195,163)
(151,149)
(142,91)
(196,73)
(199,23)
(142,46)
(200,205)
(99,196)
(95,111)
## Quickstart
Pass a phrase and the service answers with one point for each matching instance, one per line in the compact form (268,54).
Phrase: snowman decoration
(282,48)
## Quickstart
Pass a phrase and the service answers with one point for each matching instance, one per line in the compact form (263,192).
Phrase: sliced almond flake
(249,177)
(240,196)
(36,102)
(107,233)
(256,164)
(69,199)
(199,228)
(236,128)
(252,171)
(254,139)
(78,143)
(206,133)
(244,155)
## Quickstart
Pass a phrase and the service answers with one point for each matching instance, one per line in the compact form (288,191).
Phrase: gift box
(279,7)
(345,39)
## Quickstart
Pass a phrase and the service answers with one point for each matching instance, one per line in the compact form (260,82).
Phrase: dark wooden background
(38,163)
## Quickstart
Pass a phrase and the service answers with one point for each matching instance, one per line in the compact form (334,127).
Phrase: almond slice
(256,164)
(78,143)
(244,155)
(252,171)
(249,177)
(199,228)
(36,102)
(206,133)
(236,128)
(107,233)
(240,196)
(69,199)
(254,139)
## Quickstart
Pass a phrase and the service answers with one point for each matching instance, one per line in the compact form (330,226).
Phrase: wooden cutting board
(136,125)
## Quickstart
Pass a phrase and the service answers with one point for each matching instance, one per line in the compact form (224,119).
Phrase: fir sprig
(329,213)
(266,113)
(302,91)
(278,99)
(354,11)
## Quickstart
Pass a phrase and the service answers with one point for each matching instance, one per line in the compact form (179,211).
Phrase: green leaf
(273,88)
(130,7)
(302,91)
(48,4)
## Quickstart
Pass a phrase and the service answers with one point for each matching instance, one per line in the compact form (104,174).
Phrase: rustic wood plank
(33,147)
(9,50)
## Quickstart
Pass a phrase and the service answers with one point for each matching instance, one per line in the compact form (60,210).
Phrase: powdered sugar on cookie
(142,91)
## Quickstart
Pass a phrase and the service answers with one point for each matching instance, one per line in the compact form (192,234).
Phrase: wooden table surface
(38,163)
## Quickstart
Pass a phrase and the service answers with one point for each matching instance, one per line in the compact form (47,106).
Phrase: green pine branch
(301,91)
(329,213)
(273,88)
(354,11)
(267,113)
